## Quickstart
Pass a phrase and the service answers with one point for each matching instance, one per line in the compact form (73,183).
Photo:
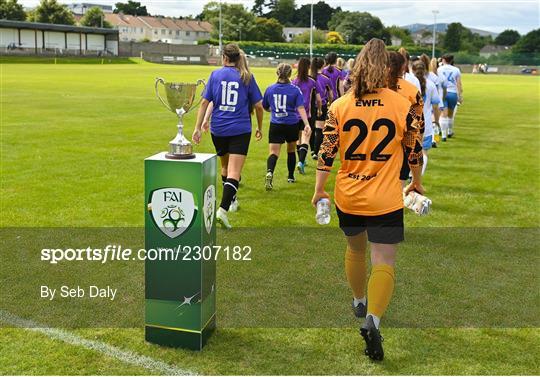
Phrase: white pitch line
(94,345)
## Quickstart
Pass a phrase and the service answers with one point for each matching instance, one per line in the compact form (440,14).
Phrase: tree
(11,10)
(267,30)
(508,37)
(322,13)
(358,27)
(333,37)
(284,11)
(319,36)
(94,17)
(452,38)
(258,7)
(235,20)
(133,8)
(51,12)
(529,43)
(403,34)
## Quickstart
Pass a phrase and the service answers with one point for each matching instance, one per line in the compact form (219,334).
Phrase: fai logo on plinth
(209,207)
(173,210)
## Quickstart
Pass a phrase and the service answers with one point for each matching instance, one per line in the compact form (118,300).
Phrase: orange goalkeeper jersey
(370,135)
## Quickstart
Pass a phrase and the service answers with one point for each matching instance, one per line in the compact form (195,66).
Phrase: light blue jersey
(451,75)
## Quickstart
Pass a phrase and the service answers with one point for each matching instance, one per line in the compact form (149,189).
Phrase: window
(142,31)
(197,33)
(170,32)
(155,31)
(187,33)
(163,31)
(177,33)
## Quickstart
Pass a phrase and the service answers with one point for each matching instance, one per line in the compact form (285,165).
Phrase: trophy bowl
(179,100)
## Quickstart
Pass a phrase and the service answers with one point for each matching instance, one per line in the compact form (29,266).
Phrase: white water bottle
(323,211)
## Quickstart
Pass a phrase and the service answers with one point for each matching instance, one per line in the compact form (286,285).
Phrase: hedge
(295,50)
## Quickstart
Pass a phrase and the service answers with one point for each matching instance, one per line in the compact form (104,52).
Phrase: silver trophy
(180,97)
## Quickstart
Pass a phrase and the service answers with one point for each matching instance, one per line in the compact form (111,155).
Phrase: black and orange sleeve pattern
(330,144)
(414,134)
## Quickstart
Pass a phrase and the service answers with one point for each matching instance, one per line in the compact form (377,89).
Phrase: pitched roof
(152,22)
(158,22)
(115,19)
(200,25)
(170,24)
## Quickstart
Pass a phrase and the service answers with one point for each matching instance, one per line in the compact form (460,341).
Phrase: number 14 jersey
(370,135)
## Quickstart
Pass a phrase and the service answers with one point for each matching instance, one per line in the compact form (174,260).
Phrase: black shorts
(324,113)
(386,229)
(281,133)
(405,169)
(238,144)
(301,126)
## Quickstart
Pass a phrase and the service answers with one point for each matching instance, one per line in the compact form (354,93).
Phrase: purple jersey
(232,101)
(326,87)
(307,88)
(283,100)
(334,76)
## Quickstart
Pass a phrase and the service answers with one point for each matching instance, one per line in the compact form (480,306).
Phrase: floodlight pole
(435,12)
(311,33)
(220,43)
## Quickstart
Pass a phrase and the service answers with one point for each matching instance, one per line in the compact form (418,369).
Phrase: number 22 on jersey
(376,153)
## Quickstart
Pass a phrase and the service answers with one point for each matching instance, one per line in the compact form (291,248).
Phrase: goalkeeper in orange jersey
(370,128)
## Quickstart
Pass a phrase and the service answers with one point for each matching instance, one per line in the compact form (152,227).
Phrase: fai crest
(173,210)
(209,207)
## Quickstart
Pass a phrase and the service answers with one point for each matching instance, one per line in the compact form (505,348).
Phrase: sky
(491,15)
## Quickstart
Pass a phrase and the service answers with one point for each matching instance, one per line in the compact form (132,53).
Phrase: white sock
(425,164)
(450,126)
(376,320)
(357,301)
(444,127)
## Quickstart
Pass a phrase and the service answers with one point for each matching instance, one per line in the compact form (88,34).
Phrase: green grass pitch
(73,140)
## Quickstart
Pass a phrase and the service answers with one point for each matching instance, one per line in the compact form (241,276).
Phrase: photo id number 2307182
(234,253)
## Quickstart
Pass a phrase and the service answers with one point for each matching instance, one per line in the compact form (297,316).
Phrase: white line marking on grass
(94,345)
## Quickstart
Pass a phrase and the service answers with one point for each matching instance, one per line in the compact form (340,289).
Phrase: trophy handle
(160,80)
(200,81)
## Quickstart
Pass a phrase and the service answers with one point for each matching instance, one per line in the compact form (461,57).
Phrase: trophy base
(173,156)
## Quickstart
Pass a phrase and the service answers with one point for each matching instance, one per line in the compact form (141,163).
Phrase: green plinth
(180,290)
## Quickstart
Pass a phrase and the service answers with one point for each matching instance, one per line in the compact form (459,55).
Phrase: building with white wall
(82,8)
(159,29)
(39,38)
(290,32)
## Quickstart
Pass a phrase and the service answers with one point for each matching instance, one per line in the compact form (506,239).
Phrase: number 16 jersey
(232,101)
(370,135)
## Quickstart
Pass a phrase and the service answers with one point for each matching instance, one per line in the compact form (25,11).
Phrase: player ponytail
(420,72)
(303,69)
(433,65)
(283,72)
(340,63)
(330,59)
(370,68)
(425,59)
(234,55)
(407,58)
(396,62)
(316,64)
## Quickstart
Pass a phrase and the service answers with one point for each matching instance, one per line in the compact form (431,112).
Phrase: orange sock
(380,289)
(355,269)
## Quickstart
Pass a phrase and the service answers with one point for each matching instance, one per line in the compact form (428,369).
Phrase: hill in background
(441,28)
